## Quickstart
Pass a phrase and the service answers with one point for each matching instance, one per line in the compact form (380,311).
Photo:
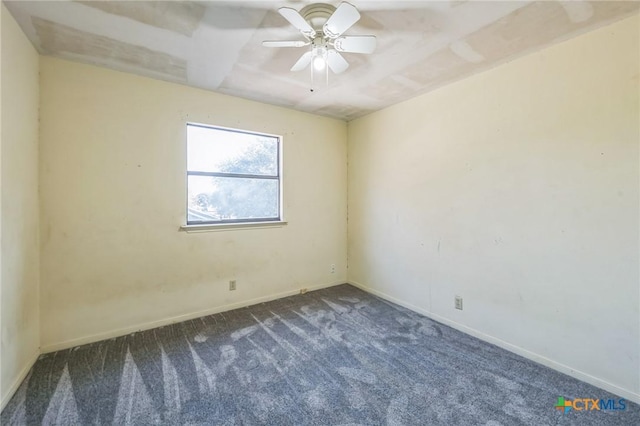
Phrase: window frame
(225,223)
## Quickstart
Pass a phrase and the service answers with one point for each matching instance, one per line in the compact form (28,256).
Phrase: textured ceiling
(216,45)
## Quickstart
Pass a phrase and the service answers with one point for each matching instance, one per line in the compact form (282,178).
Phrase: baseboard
(52,347)
(565,369)
(18,381)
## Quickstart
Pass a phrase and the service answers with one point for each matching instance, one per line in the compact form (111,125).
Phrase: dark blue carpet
(337,356)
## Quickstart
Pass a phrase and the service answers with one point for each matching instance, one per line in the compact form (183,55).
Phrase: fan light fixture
(319,61)
(322,26)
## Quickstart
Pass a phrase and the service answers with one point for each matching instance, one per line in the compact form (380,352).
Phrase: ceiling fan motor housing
(316,14)
(319,42)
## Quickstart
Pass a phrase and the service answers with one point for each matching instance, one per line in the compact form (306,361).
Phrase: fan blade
(336,62)
(303,62)
(283,43)
(355,44)
(342,19)
(295,19)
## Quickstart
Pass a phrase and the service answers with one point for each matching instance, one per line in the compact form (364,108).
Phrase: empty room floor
(332,356)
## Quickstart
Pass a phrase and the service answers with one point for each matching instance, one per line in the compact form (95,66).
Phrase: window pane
(226,151)
(220,198)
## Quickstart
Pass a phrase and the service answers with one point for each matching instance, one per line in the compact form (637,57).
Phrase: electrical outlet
(232,285)
(458,302)
(332,268)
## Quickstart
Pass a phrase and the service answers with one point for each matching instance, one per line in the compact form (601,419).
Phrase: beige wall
(113,197)
(516,189)
(19,207)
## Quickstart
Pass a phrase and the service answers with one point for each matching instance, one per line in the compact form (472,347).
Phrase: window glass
(232,176)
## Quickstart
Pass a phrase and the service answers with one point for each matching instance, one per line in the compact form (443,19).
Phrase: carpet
(337,356)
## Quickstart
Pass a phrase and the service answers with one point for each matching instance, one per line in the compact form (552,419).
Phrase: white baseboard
(602,384)
(18,380)
(52,347)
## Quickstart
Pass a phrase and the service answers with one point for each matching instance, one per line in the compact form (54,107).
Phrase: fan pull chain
(311,67)
(326,70)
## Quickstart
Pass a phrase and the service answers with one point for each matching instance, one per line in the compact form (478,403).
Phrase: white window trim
(209,227)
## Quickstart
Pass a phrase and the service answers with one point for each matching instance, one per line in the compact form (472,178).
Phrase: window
(233,176)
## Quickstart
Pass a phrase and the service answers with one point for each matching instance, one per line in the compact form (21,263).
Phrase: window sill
(229,226)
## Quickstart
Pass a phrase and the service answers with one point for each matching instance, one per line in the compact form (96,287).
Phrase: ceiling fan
(322,26)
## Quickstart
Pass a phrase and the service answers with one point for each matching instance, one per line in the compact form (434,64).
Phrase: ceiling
(216,45)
